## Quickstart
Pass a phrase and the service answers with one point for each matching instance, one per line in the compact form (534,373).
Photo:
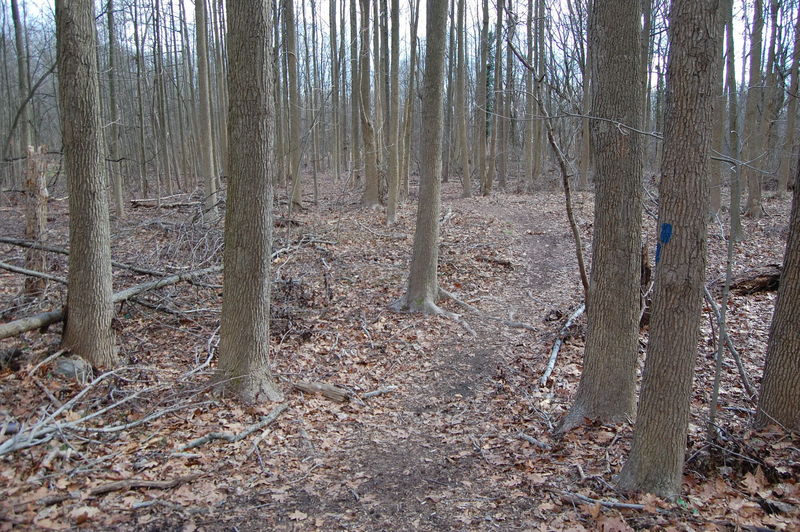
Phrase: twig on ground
(232,438)
(507,323)
(135,483)
(530,439)
(32,273)
(562,334)
(583,499)
(46,360)
(379,391)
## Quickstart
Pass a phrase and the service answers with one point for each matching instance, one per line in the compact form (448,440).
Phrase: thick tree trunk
(655,463)
(608,381)
(244,327)
(88,330)
(423,288)
(779,400)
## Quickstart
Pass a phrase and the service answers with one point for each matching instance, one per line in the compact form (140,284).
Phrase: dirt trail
(433,458)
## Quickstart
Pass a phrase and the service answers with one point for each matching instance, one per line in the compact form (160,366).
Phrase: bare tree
(422,292)
(608,380)
(370,197)
(655,463)
(204,116)
(88,327)
(244,326)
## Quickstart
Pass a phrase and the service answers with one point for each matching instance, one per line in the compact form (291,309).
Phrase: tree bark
(88,331)
(752,145)
(294,104)
(423,289)
(608,381)
(370,198)
(35,219)
(394,117)
(779,400)
(204,140)
(789,157)
(461,105)
(655,463)
(244,327)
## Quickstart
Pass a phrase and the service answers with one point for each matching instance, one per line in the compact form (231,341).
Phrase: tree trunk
(718,129)
(461,105)
(204,140)
(423,288)
(355,97)
(607,388)
(337,136)
(35,219)
(370,198)
(481,97)
(789,158)
(294,105)
(114,137)
(26,117)
(88,330)
(394,118)
(733,123)
(244,327)
(655,463)
(752,145)
(779,400)
(496,99)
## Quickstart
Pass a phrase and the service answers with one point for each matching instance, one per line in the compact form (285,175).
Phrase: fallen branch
(507,323)
(136,483)
(38,321)
(232,438)
(331,392)
(530,439)
(562,335)
(32,273)
(52,249)
(379,391)
(583,499)
(142,203)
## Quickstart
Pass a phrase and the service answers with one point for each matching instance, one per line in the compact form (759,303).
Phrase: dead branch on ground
(38,321)
(232,438)
(562,335)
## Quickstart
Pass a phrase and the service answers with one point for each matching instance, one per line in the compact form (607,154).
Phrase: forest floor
(459,435)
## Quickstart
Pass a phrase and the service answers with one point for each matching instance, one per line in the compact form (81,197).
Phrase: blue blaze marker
(664,238)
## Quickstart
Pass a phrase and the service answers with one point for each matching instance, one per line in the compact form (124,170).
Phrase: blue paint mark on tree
(663,239)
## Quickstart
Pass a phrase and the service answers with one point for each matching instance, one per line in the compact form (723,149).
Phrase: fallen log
(764,278)
(329,391)
(39,321)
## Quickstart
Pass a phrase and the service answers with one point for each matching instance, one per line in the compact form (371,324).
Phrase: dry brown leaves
(441,451)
